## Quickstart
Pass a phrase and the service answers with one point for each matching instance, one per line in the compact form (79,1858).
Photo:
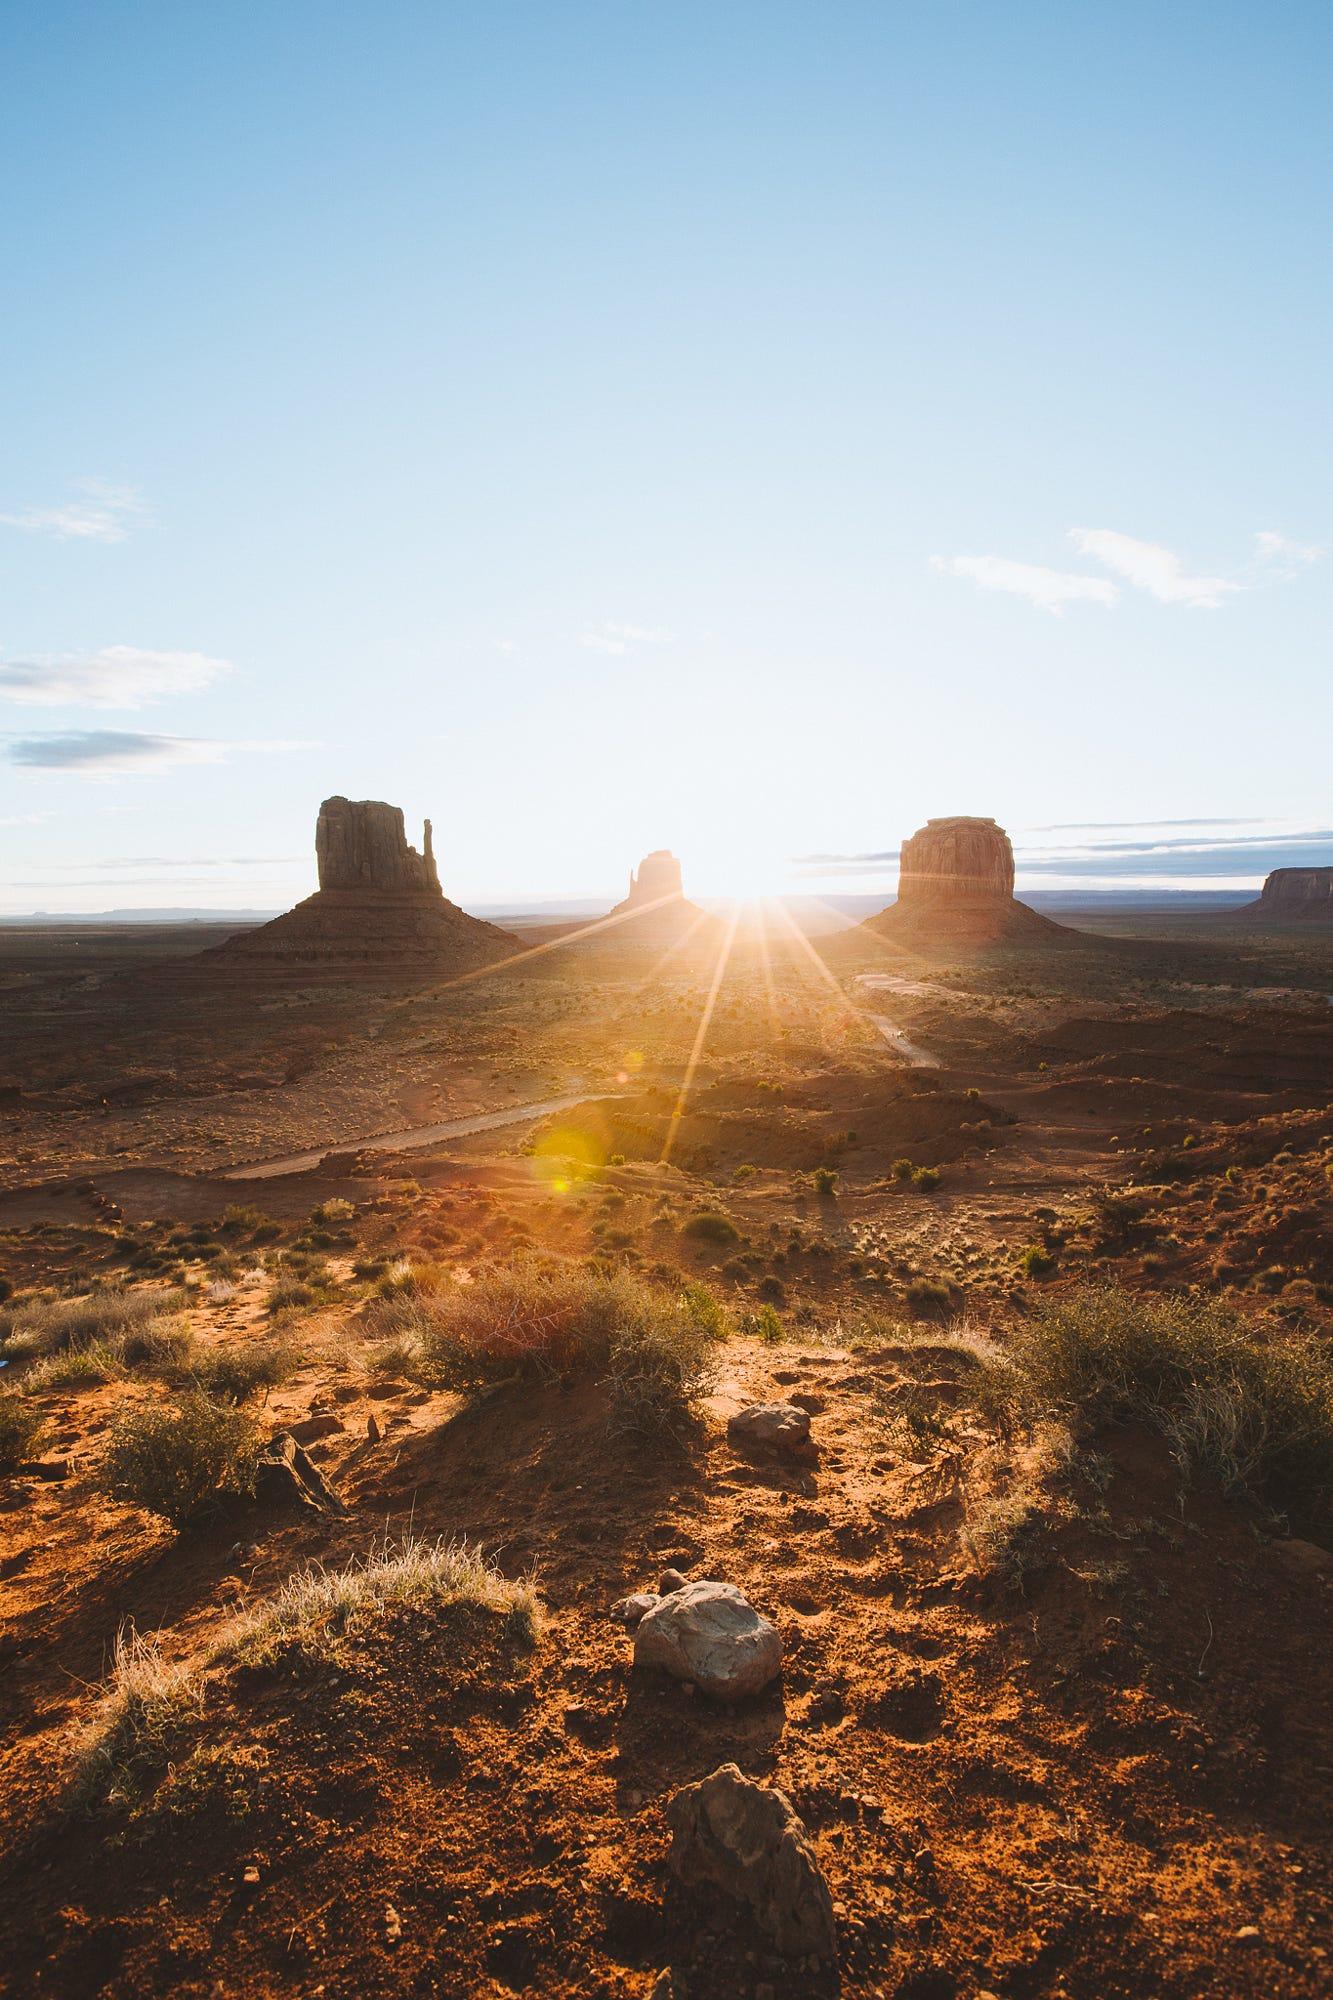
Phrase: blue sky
(750,429)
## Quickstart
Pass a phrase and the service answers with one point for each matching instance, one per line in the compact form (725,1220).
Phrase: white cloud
(1150,567)
(1284,555)
(613,637)
(113,750)
(102,514)
(115,677)
(1049,589)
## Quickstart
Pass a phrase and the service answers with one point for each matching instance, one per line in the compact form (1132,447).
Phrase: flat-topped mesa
(956,885)
(362,844)
(379,905)
(955,861)
(1294,895)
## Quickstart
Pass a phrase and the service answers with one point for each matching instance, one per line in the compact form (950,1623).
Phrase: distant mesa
(956,885)
(379,904)
(1293,895)
(656,906)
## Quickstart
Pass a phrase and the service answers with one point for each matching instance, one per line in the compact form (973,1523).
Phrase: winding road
(412,1136)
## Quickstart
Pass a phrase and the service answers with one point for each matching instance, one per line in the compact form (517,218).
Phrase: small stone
(373,1431)
(629,1610)
(393,1924)
(745,1839)
(710,1635)
(672,1579)
(251,1877)
(1247,1934)
(773,1426)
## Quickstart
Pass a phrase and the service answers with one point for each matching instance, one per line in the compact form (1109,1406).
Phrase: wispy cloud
(115,677)
(613,637)
(1148,566)
(1049,589)
(1281,554)
(99,751)
(101,513)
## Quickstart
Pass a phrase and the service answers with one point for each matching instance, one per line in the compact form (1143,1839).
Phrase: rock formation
(364,846)
(658,876)
(656,909)
(379,904)
(956,885)
(1294,895)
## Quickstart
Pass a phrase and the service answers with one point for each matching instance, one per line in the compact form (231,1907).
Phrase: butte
(956,887)
(656,909)
(379,905)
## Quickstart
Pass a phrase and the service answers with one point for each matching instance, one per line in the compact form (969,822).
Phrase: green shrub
(925,1179)
(902,1169)
(768,1324)
(709,1225)
(825,1182)
(927,1295)
(1036,1261)
(174,1462)
(21,1424)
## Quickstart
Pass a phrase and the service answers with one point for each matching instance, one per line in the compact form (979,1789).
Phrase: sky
(750,429)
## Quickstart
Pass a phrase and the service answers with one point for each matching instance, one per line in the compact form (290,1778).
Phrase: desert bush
(528,1320)
(768,1324)
(173,1462)
(146,1701)
(1252,1407)
(902,1169)
(334,1212)
(710,1225)
(1118,1219)
(925,1179)
(926,1295)
(1035,1260)
(234,1374)
(824,1180)
(21,1424)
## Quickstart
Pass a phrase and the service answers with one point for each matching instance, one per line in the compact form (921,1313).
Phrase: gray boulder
(745,1839)
(772,1426)
(709,1633)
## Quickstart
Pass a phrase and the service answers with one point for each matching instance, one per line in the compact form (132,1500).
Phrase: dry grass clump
(317,1607)
(149,1700)
(20,1427)
(120,1321)
(1254,1410)
(527,1320)
(174,1462)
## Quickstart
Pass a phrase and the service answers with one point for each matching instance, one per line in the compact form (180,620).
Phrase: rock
(671,1579)
(805,1399)
(1293,895)
(363,845)
(285,1474)
(629,1610)
(658,876)
(311,1429)
(710,1635)
(773,1426)
(378,902)
(656,906)
(745,1839)
(956,880)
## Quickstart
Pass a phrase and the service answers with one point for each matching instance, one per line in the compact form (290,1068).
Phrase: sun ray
(723,954)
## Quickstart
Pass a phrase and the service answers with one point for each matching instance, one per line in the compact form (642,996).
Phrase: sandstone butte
(1293,895)
(656,907)
(956,885)
(379,903)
